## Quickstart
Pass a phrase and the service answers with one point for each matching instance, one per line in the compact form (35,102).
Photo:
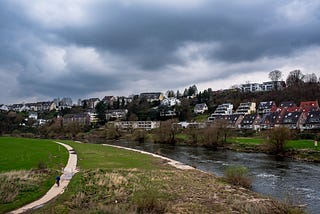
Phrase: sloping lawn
(27,169)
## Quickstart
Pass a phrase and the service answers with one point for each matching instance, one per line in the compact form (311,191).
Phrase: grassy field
(291,144)
(119,181)
(248,140)
(27,169)
(302,144)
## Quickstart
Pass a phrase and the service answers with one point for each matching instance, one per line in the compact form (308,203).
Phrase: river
(294,181)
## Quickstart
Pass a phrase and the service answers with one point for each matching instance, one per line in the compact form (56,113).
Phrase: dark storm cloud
(149,36)
(127,37)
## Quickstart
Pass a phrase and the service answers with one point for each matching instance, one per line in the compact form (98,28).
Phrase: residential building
(265,86)
(313,120)
(92,117)
(250,121)
(309,106)
(4,107)
(292,120)
(90,103)
(83,119)
(168,113)
(109,100)
(246,108)
(223,109)
(289,105)
(269,120)
(273,85)
(116,114)
(233,120)
(200,108)
(171,101)
(266,107)
(250,87)
(33,115)
(154,96)
(18,107)
(146,125)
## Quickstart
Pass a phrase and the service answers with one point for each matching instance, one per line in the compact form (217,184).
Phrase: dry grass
(160,191)
(15,182)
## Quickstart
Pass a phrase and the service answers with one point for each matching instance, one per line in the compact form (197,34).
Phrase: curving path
(171,162)
(68,172)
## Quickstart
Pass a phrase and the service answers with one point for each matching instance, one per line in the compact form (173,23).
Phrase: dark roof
(309,106)
(232,119)
(266,105)
(248,119)
(270,118)
(200,106)
(153,95)
(287,104)
(313,117)
(290,117)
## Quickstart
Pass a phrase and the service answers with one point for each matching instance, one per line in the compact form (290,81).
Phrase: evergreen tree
(101,108)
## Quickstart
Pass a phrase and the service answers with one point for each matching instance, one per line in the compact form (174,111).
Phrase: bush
(307,136)
(277,138)
(149,200)
(139,135)
(237,175)
(42,165)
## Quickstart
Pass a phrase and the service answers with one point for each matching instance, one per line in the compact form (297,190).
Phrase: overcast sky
(93,48)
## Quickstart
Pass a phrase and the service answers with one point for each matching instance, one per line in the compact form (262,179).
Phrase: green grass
(21,181)
(248,140)
(201,117)
(182,137)
(302,144)
(95,156)
(22,153)
(291,144)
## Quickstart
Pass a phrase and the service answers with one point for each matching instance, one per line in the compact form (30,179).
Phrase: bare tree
(277,138)
(295,78)
(167,131)
(310,78)
(275,76)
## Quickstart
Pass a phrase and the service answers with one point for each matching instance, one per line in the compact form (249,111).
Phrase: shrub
(139,135)
(149,200)
(308,136)
(42,165)
(277,138)
(237,175)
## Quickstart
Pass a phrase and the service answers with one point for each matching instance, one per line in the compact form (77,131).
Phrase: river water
(294,181)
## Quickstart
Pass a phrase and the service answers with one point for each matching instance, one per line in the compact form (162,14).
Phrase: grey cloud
(146,38)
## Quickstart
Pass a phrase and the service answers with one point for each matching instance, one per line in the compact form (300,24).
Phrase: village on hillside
(146,110)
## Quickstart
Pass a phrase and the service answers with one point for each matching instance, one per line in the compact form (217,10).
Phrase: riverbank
(291,152)
(114,180)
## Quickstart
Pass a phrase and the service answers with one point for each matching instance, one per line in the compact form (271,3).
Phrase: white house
(33,115)
(200,108)
(171,101)
(4,107)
